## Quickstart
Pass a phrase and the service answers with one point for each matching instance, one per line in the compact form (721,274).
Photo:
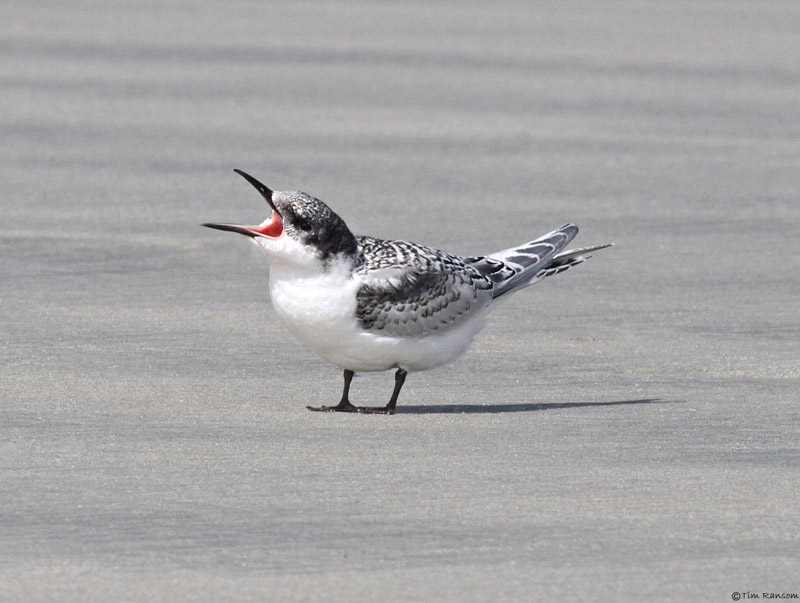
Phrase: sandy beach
(625,431)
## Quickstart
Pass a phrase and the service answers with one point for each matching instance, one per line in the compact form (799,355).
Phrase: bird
(368,304)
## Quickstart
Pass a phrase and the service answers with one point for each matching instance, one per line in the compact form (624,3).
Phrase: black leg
(399,379)
(344,405)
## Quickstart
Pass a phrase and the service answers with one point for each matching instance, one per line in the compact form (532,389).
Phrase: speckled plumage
(411,290)
(368,304)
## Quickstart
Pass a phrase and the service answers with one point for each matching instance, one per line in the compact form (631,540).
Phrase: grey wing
(407,289)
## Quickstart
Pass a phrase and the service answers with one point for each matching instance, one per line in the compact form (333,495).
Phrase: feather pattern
(368,304)
(407,289)
(521,266)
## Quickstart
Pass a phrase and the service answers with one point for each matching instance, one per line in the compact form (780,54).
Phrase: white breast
(320,310)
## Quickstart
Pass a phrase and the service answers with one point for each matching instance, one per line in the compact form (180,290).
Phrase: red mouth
(272,228)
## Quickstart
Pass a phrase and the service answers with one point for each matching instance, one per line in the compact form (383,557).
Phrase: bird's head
(301,230)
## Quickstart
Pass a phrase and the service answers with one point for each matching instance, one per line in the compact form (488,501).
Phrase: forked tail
(518,267)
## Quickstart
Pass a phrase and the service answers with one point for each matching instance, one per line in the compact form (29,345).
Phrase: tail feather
(580,251)
(539,250)
(521,266)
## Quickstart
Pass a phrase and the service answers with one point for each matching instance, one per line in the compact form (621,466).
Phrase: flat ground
(627,431)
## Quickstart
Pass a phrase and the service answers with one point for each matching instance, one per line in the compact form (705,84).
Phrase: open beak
(271,228)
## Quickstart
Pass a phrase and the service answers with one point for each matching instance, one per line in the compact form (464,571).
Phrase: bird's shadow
(435,409)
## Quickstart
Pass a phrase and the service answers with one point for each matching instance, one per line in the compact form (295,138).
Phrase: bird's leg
(399,379)
(344,405)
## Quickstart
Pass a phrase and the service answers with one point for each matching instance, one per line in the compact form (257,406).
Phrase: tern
(369,304)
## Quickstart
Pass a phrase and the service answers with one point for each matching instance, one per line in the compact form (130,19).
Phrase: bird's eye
(302,223)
